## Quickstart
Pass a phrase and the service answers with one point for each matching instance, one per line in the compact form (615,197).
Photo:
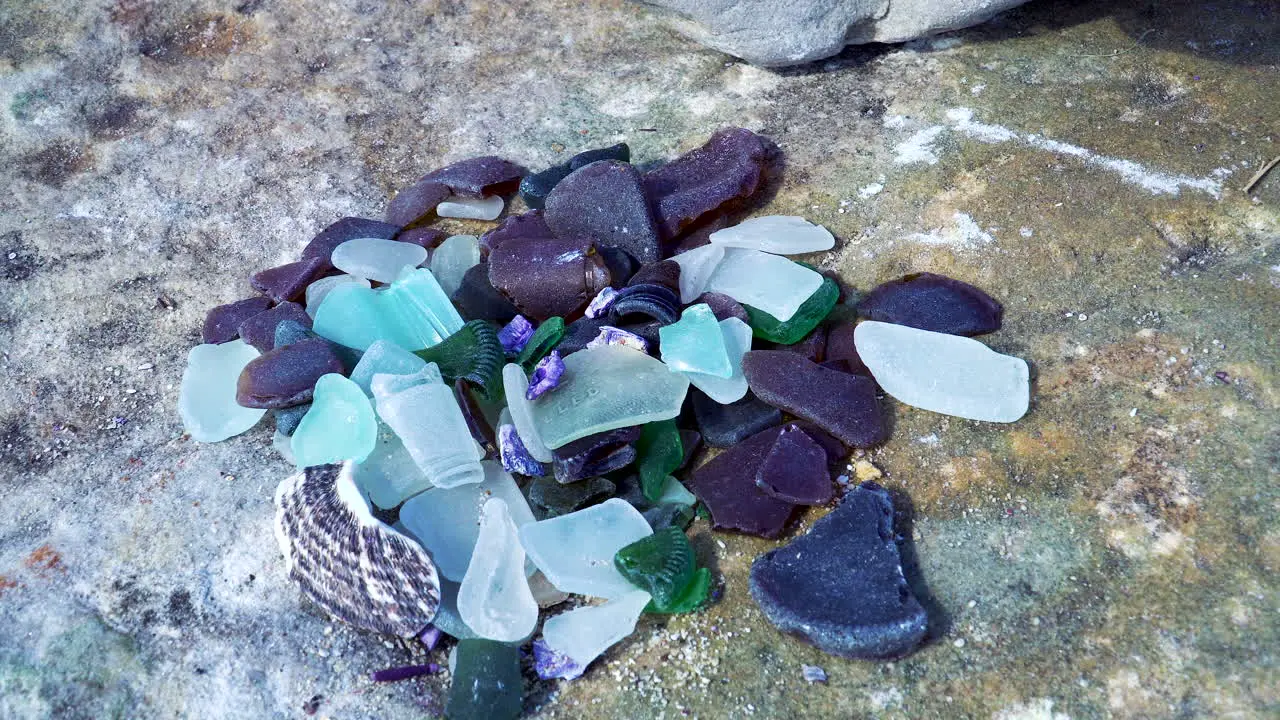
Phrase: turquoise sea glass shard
(339,426)
(414,313)
(737,341)
(605,388)
(207,399)
(695,343)
(384,358)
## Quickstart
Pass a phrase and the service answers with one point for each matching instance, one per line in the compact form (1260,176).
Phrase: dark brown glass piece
(287,375)
(478,176)
(728,169)
(525,225)
(727,486)
(260,330)
(348,228)
(795,470)
(222,324)
(477,299)
(548,277)
(287,282)
(665,273)
(842,404)
(933,302)
(595,455)
(606,201)
(416,202)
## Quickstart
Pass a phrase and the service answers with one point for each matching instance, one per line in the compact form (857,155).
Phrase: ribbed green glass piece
(661,564)
(693,596)
(658,454)
(810,314)
(473,353)
(546,337)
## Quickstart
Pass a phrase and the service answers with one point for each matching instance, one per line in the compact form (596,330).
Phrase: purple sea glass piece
(287,282)
(478,176)
(515,458)
(933,302)
(287,375)
(723,306)
(795,470)
(551,665)
(222,324)
(526,225)
(699,233)
(842,404)
(840,348)
(416,202)
(260,330)
(348,228)
(727,485)
(430,637)
(424,237)
(665,273)
(546,376)
(606,201)
(595,455)
(610,335)
(811,346)
(515,335)
(548,277)
(477,299)
(600,303)
(728,169)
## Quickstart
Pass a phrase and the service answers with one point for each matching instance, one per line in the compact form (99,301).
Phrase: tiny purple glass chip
(546,375)
(516,334)
(600,303)
(610,335)
(550,664)
(515,458)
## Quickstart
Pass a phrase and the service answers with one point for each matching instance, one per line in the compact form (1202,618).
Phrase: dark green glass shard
(810,314)
(546,337)
(693,596)
(661,564)
(675,515)
(659,453)
(486,682)
(549,498)
(473,353)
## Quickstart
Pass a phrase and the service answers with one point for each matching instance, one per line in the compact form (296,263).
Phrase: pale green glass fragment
(770,283)
(737,341)
(207,398)
(339,426)
(778,234)
(585,633)
(515,382)
(425,416)
(695,343)
(696,267)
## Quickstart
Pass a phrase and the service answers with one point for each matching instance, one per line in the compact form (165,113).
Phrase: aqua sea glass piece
(424,413)
(384,358)
(944,373)
(207,399)
(695,343)
(339,426)
(413,312)
(389,476)
(575,551)
(318,290)
(495,599)
(605,388)
(770,283)
(585,633)
(377,259)
(779,234)
(737,342)
(515,381)
(696,268)
(452,259)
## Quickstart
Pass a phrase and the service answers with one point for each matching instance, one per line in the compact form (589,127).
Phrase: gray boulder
(774,33)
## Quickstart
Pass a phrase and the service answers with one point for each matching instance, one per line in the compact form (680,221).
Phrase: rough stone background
(1113,554)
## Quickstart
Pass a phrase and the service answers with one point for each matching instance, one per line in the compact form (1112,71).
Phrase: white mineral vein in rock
(696,266)
(471,208)
(207,397)
(767,282)
(494,599)
(944,373)
(778,234)
(586,632)
(575,551)
(376,258)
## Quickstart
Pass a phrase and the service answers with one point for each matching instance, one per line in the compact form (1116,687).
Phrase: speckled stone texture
(1115,553)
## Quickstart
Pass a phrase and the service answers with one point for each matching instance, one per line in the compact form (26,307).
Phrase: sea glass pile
(520,401)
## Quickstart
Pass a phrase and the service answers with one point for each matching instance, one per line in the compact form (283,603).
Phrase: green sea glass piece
(413,312)
(661,564)
(695,343)
(658,454)
(339,426)
(693,596)
(473,353)
(486,682)
(546,337)
(605,388)
(812,312)
(207,399)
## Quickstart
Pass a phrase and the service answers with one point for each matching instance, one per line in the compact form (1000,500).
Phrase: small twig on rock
(1257,177)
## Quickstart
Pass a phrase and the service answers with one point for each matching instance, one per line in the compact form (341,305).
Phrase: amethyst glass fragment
(605,200)
(430,637)
(725,425)
(526,225)
(729,168)
(424,237)
(727,486)
(222,324)
(595,455)
(551,665)
(348,228)
(515,335)
(287,282)
(665,273)
(610,335)
(644,302)
(477,299)
(548,277)
(478,176)
(515,458)
(840,348)
(723,306)
(933,302)
(795,470)
(843,405)
(811,346)
(287,375)
(600,303)
(545,376)
(416,202)
(260,330)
